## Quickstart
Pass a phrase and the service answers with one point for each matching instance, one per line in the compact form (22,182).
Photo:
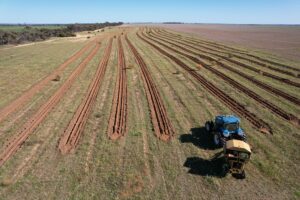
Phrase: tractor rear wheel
(208,126)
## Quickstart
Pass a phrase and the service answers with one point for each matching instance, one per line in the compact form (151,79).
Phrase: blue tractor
(225,127)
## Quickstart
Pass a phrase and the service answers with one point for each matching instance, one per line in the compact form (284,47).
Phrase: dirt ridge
(117,126)
(73,132)
(162,126)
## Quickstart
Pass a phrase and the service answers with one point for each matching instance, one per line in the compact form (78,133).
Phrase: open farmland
(120,114)
(280,40)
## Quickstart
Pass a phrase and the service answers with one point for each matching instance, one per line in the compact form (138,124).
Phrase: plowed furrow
(194,45)
(198,40)
(72,133)
(262,85)
(161,123)
(263,73)
(118,119)
(28,94)
(15,142)
(237,51)
(275,109)
(222,96)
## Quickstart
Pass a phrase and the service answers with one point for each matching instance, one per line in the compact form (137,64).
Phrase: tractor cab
(228,124)
(225,127)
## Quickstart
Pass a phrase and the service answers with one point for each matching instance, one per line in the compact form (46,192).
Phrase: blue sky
(201,11)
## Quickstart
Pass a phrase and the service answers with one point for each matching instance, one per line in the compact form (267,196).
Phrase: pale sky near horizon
(188,11)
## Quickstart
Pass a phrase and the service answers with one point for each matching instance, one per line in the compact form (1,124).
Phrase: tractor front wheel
(218,140)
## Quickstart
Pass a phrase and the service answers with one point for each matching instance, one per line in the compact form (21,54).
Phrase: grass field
(142,163)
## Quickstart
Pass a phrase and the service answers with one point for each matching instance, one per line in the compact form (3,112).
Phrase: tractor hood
(227,119)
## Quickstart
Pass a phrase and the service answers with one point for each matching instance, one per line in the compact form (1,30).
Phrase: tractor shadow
(200,138)
(206,167)
(199,166)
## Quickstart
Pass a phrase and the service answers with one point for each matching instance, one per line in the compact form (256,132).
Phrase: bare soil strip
(226,48)
(16,142)
(162,126)
(17,103)
(263,73)
(275,109)
(262,85)
(73,132)
(226,99)
(117,126)
(199,44)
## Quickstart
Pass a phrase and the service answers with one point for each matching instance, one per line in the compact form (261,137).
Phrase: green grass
(27,65)
(297,194)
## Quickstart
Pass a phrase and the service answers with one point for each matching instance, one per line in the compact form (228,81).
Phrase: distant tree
(37,34)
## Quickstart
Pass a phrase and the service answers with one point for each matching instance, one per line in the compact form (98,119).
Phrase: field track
(222,96)
(217,47)
(258,71)
(117,126)
(162,126)
(15,142)
(21,100)
(264,86)
(276,110)
(72,133)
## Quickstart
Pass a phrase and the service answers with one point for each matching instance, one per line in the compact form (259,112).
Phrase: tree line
(32,34)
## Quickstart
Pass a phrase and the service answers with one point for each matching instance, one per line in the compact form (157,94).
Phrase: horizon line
(167,22)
